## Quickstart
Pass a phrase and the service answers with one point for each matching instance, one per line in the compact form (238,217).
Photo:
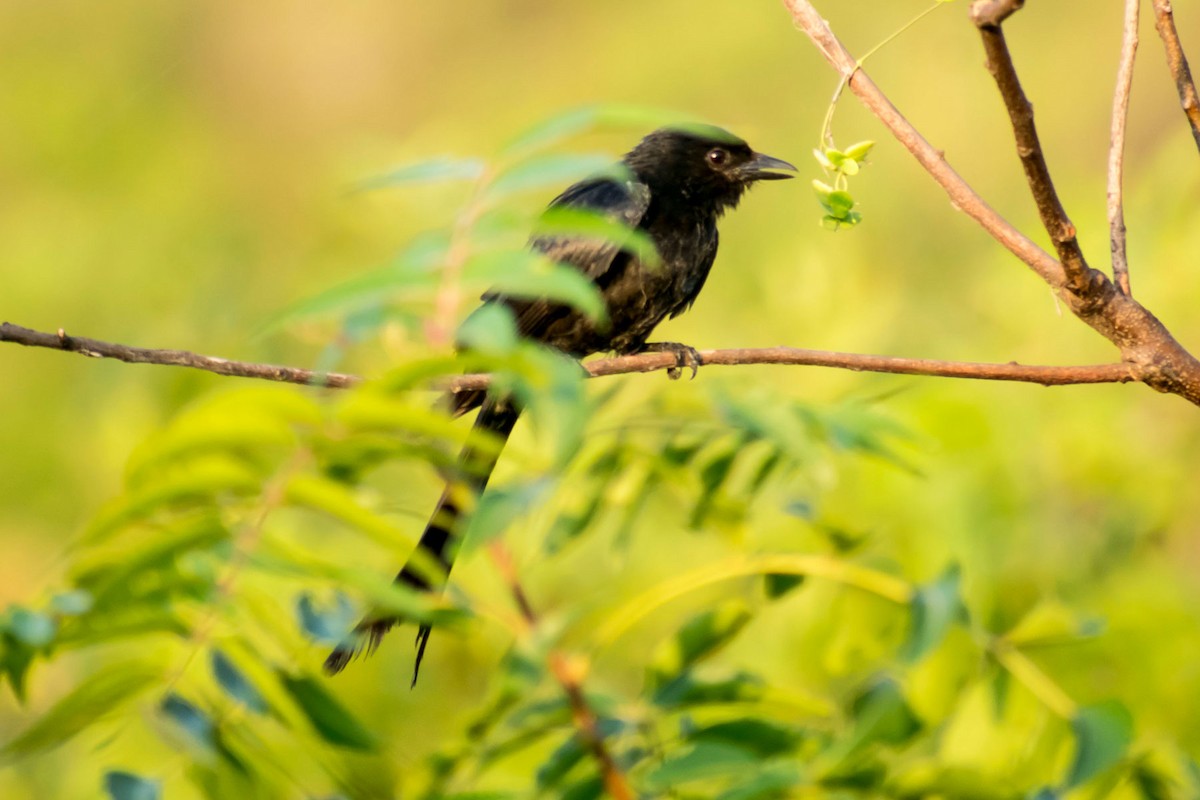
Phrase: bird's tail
(429,566)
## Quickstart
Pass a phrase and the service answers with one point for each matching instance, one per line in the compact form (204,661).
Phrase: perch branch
(1029,148)
(1164,23)
(617,365)
(569,673)
(1116,150)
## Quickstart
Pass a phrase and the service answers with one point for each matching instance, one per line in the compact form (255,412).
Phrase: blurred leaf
(704,761)
(329,718)
(770,781)
(764,738)
(236,684)
(882,715)
(31,627)
(1051,623)
(777,584)
(127,786)
(1102,735)
(529,274)
(559,763)
(490,329)
(334,499)
(499,507)
(579,120)
(433,170)
(15,660)
(701,637)
(326,625)
(194,722)
(933,608)
(585,224)
(687,690)
(72,603)
(99,695)
(550,170)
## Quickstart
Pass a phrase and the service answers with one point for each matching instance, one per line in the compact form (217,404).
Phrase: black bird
(676,184)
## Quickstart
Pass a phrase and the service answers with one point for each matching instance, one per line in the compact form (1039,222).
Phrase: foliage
(201,596)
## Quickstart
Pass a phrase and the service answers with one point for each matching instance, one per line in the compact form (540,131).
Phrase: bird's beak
(758,168)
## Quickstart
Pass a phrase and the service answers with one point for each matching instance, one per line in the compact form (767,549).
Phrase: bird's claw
(685,357)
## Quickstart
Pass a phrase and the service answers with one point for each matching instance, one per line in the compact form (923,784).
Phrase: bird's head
(702,163)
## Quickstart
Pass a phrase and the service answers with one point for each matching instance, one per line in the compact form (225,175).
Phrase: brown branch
(993,12)
(1116,149)
(570,674)
(1153,355)
(617,365)
(1029,148)
(177,358)
(1164,23)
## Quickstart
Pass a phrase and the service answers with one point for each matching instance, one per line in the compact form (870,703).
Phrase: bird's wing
(620,201)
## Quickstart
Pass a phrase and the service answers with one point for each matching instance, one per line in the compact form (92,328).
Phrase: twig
(1029,148)
(177,358)
(1164,23)
(618,365)
(569,673)
(1154,356)
(1116,151)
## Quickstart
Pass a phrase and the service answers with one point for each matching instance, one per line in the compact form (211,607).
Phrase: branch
(569,673)
(1153,355)
(1029,148)
(177,358)
(1116,150)
(617,365)
(1164,23)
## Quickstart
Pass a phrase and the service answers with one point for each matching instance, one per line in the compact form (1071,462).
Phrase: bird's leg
(685,356)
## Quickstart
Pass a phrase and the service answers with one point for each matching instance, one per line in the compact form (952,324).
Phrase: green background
(173,175)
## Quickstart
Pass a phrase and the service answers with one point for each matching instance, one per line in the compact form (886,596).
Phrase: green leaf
(559,128)
(500,506)
(15,660)
(703,636)
(191,720)
(776,585)
(882,715)
(433,170)
(527,273)
(1102,735)
(326,625)
(934,608)
(490,330)
(762,737)
(99,695)
(859,150)
(687,690)
(31,627)
(329,718)
(705,761)
(73,603)
(769,782)
(127,786)
(236,684)
(582,223)
(551,169)
(559,763)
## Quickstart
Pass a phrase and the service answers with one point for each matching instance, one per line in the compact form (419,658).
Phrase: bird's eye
(718,156)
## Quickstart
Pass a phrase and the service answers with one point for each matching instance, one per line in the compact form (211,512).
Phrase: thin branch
(1154,356)
(617,365)
(1164,23)
(1116,150)
(177,358)
(569,673)
(1029,148)
(962,196)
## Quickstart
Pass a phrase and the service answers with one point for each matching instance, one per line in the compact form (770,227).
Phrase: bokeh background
(173,175)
